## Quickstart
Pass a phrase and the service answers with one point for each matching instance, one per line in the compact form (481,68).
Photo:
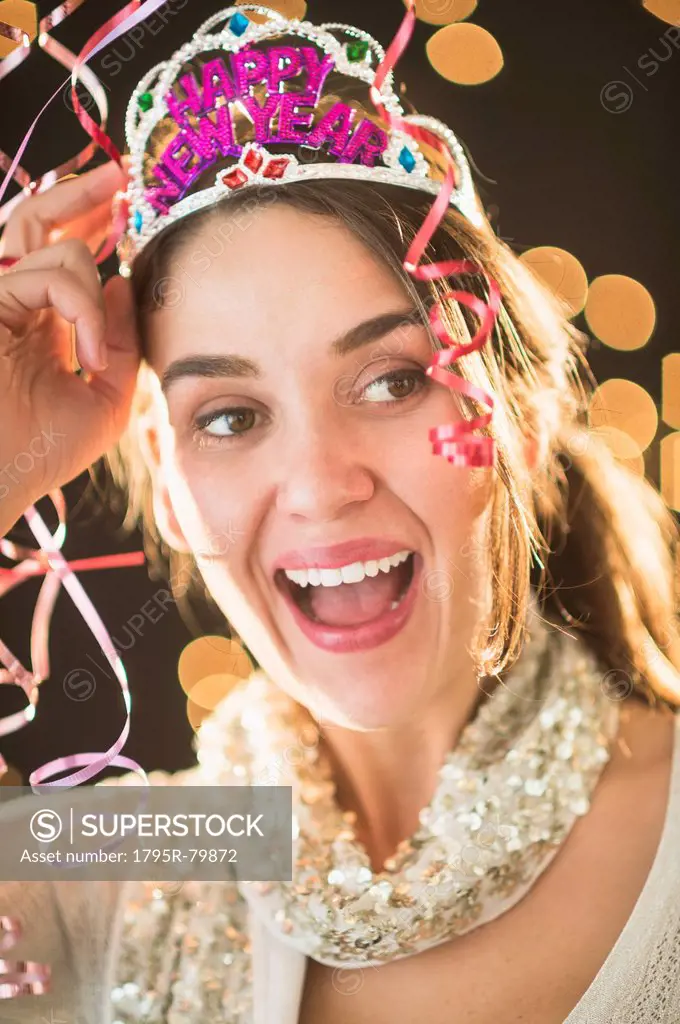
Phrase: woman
(494,707)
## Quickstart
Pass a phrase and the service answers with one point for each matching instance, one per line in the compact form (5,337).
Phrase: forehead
(284,276)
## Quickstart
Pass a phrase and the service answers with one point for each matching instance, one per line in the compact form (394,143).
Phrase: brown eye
(396,386)
(227,422)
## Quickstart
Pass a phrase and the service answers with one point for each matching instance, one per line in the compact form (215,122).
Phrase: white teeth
(352,573)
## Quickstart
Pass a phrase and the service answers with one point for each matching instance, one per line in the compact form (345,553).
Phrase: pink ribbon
(48,560)
(455,441)
(116,26)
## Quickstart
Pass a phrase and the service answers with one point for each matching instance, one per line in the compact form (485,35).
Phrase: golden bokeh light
(626,406)
(209,656)
(667,10)
(465,53)
(196,714)
(670,469)
(670,389)
(19,14)
(623,448)
(289,8)
(443,12)
(620,312)
(562,272)
(209,691)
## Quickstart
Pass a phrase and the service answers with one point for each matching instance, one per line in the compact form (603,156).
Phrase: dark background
(558,167)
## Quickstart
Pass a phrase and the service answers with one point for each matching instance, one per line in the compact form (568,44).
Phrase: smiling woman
(467,668)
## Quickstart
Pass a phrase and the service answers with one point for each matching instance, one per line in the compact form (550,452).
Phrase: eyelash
(201,423)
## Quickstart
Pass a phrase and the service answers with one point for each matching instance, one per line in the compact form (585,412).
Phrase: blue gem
(238,24)
(407,159)
(138,221)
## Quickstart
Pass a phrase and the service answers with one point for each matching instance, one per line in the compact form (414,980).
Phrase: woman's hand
(54,423)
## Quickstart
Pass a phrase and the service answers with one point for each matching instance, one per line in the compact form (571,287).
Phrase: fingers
(117,382)
(30,223)
(63,277)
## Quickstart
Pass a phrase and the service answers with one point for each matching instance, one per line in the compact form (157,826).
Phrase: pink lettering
(335,125)
(248,66)
(367,143)
(216,82)
(214,137)
(284,62)
(291,119)
(261,116)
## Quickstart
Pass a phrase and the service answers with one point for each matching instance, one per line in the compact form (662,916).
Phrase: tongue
(352,604)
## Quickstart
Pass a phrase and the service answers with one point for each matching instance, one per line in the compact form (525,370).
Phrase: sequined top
(127,953)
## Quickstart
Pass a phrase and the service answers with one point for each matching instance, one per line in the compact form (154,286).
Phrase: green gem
(145,101)
(357,50)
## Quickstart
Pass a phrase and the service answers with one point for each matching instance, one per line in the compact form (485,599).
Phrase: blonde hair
(596,540)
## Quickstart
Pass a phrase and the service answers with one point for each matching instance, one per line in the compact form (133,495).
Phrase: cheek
(216,513)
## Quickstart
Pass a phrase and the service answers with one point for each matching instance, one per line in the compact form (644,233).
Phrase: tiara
(268,79)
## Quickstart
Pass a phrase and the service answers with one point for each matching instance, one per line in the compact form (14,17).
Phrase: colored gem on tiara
(235,178)
(238,23)
(138,220)
(276,168)
(407,159)
(253,160)
(357,50)
(145,101)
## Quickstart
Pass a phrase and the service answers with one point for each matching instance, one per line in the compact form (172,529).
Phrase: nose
(322,472)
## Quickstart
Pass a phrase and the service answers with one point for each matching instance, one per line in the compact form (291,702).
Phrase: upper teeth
(352,573)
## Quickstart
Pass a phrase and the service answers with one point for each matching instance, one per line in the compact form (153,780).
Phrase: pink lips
(347,639)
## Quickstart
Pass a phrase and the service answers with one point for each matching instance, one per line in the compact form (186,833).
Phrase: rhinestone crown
(251,79)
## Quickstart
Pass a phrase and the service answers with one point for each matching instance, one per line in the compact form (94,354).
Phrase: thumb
(116,384)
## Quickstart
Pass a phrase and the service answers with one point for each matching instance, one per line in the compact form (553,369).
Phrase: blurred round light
(620,312)
(562,273)
(209,656)
(627,407)
(670,469)
(289,8)
(670,389)
(442,12)
(196,714)
(667,10)
(210,690)
(465,53)
(23,16)
(623,448)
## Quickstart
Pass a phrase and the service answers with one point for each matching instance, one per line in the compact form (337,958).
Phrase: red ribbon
(455,441)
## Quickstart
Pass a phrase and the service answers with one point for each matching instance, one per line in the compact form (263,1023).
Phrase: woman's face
(290,423)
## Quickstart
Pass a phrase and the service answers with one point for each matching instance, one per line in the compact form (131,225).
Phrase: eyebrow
(356,337)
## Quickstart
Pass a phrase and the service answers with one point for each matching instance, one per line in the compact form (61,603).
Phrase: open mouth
(324,598)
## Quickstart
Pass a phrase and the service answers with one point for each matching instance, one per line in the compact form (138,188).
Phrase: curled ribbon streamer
(454,441)
(19,977)
(48,559)
(65,57)
(130,15)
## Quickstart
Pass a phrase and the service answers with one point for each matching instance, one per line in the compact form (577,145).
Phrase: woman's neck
(387,776)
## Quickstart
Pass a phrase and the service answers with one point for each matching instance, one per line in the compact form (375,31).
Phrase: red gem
(276,168)
(253,160)
(235,178)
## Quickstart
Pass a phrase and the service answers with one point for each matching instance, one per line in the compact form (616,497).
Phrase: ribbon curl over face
(455,441)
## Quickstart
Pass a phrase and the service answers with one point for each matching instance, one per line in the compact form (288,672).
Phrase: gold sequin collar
(507,796)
